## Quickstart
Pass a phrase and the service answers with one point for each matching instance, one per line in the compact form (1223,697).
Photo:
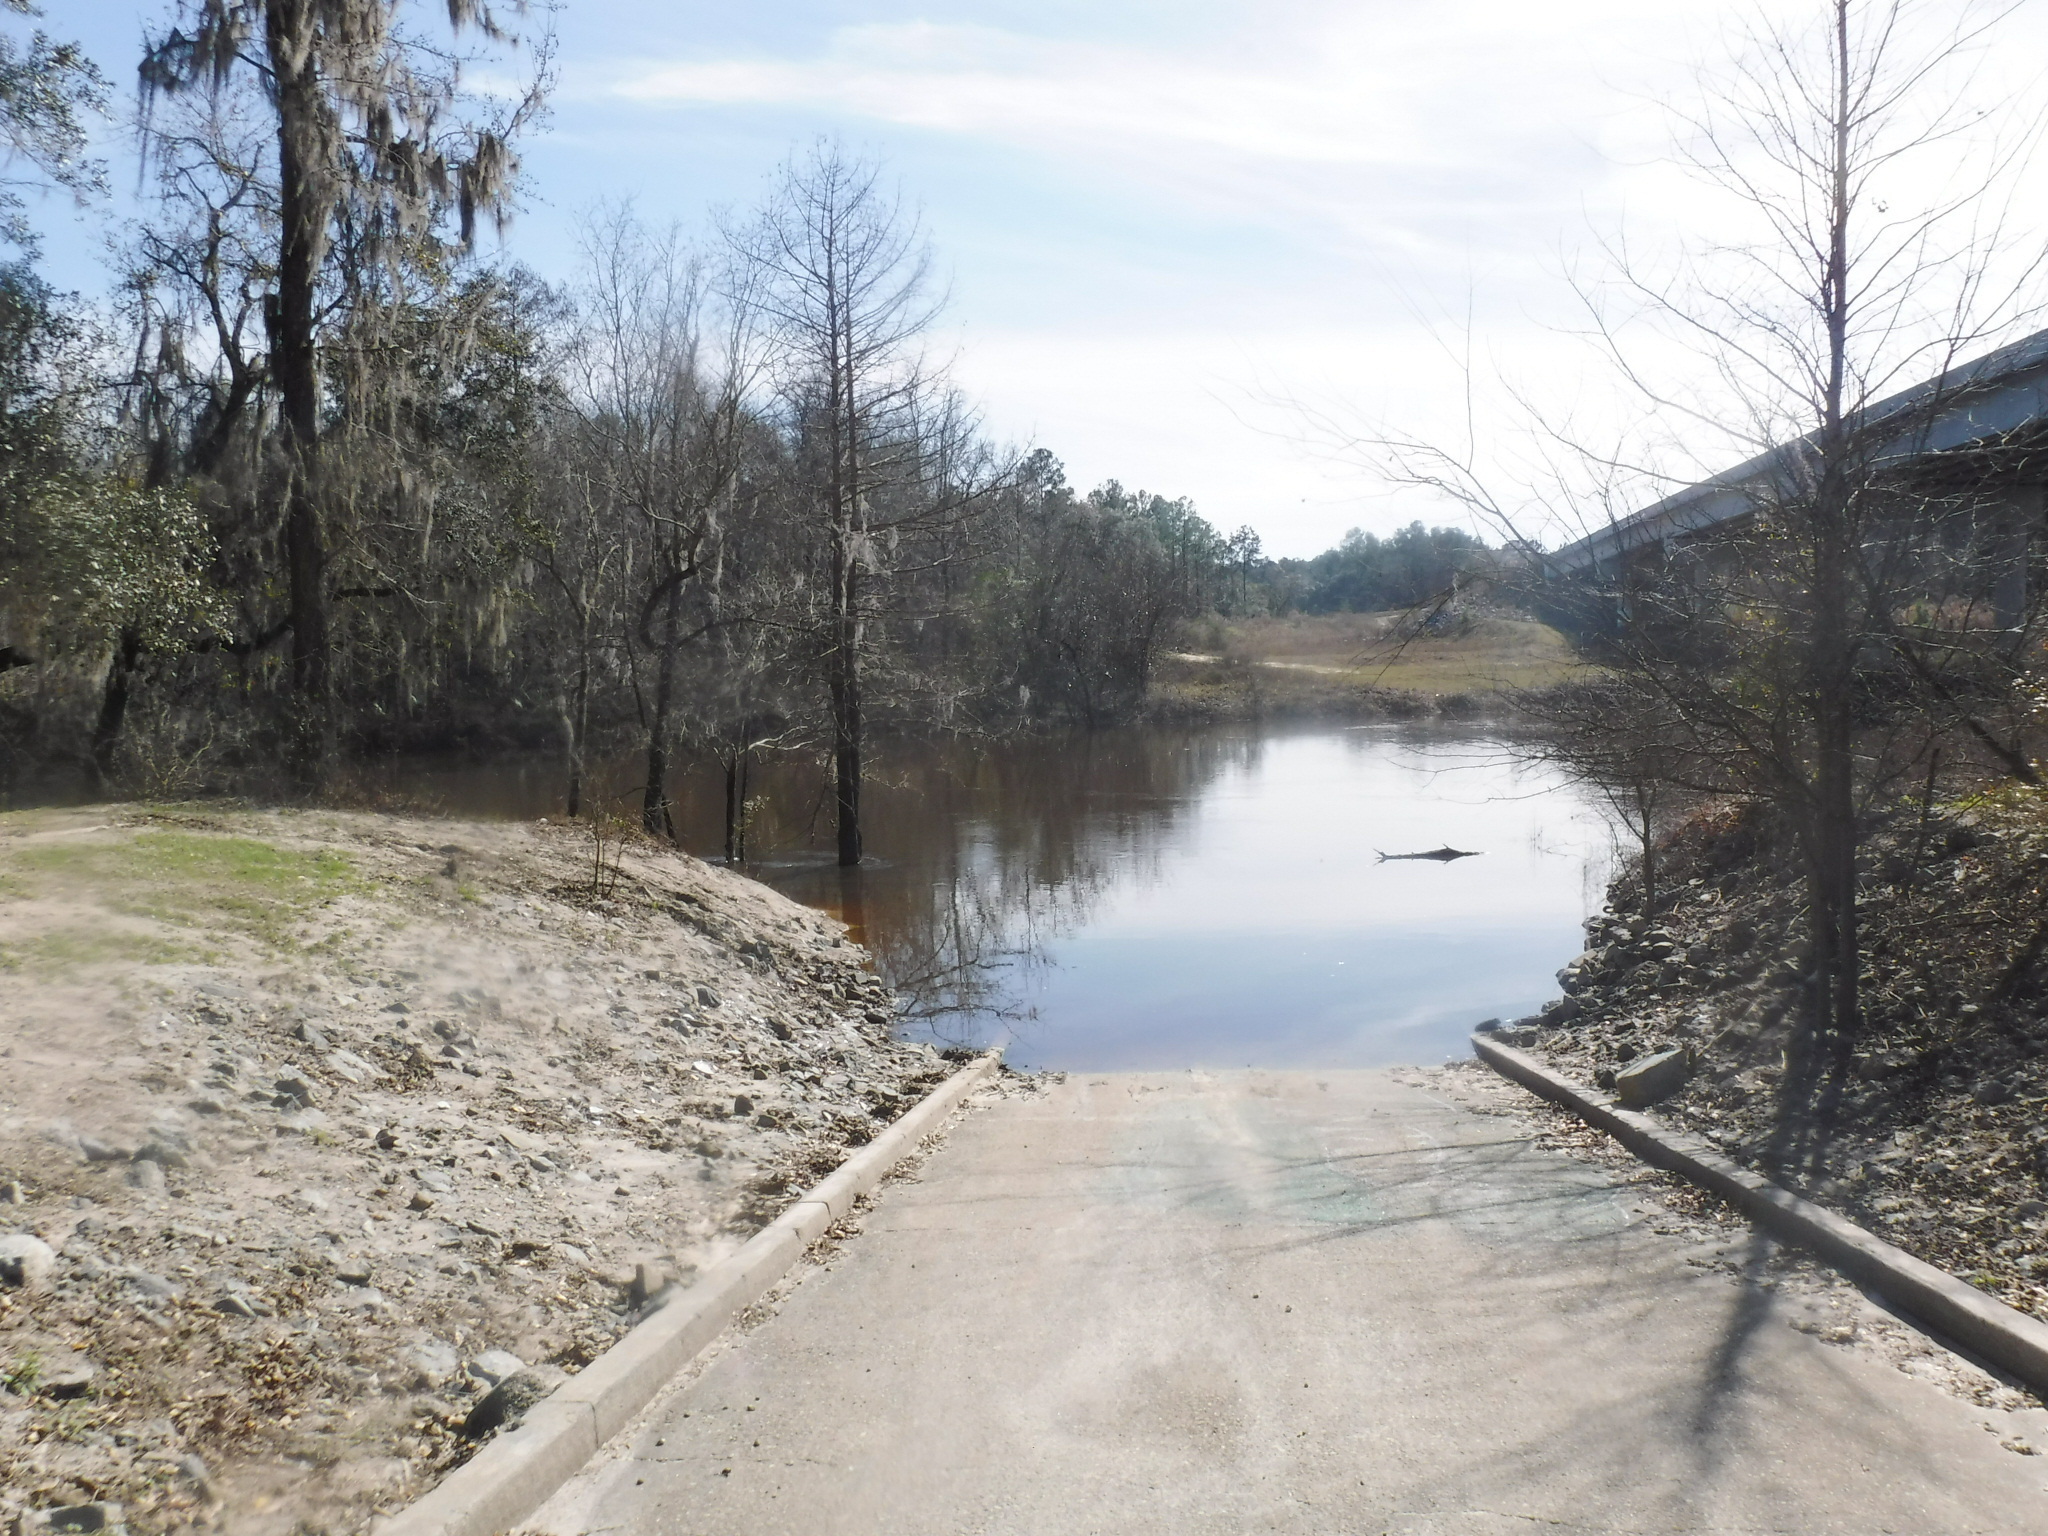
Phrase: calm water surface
(1154,899)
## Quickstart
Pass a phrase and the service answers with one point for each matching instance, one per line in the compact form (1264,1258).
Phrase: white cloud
(1155,235)
(1457,99)
(1000,84)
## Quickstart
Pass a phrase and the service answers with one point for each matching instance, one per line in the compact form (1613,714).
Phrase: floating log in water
(1442,855)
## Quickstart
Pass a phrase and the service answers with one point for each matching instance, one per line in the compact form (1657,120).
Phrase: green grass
(74,949)
(214,883)
(21,1376)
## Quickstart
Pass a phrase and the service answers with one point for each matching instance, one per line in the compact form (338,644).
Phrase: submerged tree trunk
(846,704)
(846,763)
(736,765)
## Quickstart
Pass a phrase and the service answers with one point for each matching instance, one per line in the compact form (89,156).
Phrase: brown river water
(1165,899)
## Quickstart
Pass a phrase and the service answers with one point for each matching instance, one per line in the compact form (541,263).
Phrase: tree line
(1365,573)
(323,480)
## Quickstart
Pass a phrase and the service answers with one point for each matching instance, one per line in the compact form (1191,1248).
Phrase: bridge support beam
(2010,554)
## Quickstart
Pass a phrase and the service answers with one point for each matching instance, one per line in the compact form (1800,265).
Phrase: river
(1155,898)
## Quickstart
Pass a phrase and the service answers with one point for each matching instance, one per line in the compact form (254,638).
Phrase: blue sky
(1164,226)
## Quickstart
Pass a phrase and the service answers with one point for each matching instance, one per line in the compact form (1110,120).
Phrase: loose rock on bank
(318,1129)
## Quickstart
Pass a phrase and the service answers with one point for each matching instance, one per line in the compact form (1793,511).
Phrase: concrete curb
(1999,1334)
(516,1472)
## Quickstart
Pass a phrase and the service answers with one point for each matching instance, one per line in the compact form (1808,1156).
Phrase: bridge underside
(1960,530)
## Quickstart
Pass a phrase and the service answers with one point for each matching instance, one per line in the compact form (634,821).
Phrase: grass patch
(234,884)
(20,1377)
(1477,655)
(73,949)
(1187,690)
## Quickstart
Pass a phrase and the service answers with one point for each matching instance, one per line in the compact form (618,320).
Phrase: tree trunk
(1831,846)
(732,807)
(746,813)
(106,731)
(853,906)
(654,806)
(1833,882)
(304,205)
(1833,840)
(736,765)
(846,724)
(579,724)
(1648,833)
(655,820)
(846,556)
(217,431)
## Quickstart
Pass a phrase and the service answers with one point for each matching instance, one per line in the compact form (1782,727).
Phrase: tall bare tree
(581,552)
(841,273)
(1863,246)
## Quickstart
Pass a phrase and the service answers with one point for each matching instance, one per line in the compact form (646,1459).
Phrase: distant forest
(1368,574)
(321,482)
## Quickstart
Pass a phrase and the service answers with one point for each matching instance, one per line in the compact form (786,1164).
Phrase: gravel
(335,1212)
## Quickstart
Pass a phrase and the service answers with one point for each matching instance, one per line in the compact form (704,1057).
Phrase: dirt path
(327,1121)
(1283,666)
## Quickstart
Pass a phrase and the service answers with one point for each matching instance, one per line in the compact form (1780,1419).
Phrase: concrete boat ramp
(1294,1302)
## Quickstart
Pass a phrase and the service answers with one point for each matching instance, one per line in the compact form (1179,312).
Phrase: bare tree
(667,432)
(1779,643)
(841,275)
(197,274)
(580,550)
(1620,736)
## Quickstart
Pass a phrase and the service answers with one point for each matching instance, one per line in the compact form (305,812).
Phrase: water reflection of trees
(985,851)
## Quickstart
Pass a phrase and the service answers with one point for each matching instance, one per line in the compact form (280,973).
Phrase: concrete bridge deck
(1290,1302)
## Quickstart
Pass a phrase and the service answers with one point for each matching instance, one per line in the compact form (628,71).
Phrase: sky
(1192,246)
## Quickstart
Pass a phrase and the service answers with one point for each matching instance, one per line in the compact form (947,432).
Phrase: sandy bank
(321,1116)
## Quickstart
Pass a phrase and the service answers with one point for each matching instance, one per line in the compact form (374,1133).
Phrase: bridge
(1981,427)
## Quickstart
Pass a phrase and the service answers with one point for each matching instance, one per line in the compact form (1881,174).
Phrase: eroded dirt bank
(1936,1139)
(314,1124)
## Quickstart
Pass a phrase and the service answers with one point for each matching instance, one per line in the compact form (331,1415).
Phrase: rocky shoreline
(1937,1142)
(321,1132)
